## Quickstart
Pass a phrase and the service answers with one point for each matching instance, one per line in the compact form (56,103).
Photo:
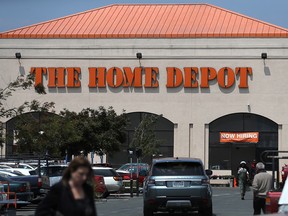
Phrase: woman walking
(243,177)
(73,195)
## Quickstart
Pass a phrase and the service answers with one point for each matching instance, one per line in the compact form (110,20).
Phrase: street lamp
(131,152)
(41,132)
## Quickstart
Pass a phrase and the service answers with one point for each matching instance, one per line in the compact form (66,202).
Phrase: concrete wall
(191,110)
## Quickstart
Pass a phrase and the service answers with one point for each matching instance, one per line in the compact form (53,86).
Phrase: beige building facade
(189,104)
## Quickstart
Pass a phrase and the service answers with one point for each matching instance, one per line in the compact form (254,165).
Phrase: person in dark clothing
(73,195)
(243,178)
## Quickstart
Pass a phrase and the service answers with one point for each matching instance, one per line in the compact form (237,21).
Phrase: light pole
(66,156)
(41,132)
(101,156)
(138,155)
(131,152)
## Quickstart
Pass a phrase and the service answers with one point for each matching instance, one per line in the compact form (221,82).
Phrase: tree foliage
(6,92)
(38,129)
(6,112)
(99,130)
(144,137)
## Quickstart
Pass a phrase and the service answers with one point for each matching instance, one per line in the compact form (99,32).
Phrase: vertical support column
(3,148)
(175,139)
(190,139)
(181,140)
(197,147)
(282,146)
(206,146)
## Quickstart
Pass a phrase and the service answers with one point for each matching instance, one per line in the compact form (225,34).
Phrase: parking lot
(226,202)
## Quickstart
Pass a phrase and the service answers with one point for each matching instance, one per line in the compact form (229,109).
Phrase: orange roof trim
(152,21)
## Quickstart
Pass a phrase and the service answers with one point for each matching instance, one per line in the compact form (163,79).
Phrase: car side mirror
(209,172)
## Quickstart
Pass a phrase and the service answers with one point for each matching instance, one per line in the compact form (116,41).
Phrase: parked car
(19,170)
(112,179)
(100,187)
(281,203)
(177,184)
(273,196)
(17,165)
(7,173)
(126,170)
(3,197)
(22,189)
(2,166)
(35,185)
(51,175)
(132,167)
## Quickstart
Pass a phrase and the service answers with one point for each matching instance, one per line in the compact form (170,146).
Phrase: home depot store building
(202,68)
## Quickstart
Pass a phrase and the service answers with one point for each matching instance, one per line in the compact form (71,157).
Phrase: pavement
(226,202)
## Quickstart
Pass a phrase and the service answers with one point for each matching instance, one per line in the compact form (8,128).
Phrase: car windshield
(105,172)
(177,169)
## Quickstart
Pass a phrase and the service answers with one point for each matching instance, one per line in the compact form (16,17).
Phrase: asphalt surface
(226,202)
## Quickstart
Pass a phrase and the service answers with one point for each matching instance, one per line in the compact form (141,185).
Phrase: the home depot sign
(148,77)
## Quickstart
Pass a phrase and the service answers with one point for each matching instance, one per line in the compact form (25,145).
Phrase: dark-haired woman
(73,196)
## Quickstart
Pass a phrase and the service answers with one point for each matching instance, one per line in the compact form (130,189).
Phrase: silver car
(177,184)
(113,181)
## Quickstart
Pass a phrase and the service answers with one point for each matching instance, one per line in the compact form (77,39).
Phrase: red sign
(245,137)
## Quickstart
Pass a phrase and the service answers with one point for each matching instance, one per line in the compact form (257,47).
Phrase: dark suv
(177,184)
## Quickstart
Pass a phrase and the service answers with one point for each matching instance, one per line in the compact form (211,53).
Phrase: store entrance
(227,155)
(242,152)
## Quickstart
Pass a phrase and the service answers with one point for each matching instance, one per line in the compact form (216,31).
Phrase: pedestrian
(262,183)
(73,195)
(243,178)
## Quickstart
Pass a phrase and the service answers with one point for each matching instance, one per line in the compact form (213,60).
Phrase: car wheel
(99,195)
(105,194)
(147,211)
(206,211)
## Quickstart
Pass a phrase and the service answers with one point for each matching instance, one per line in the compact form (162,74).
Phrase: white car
(17,165)
(112,179)
(7,174)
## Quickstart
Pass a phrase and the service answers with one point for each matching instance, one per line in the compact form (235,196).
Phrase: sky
(19,13)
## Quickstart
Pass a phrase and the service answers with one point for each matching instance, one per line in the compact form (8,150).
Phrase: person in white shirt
(262,183)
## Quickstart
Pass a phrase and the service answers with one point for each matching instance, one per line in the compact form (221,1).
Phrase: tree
(5,93)
(35,131)
(20,83)
(100,130)
(144,137)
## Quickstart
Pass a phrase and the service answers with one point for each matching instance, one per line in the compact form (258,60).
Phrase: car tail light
(23,188)
(39,182)
(117,178)
(126,177)
(268,201)
(151,182)
(99,179)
